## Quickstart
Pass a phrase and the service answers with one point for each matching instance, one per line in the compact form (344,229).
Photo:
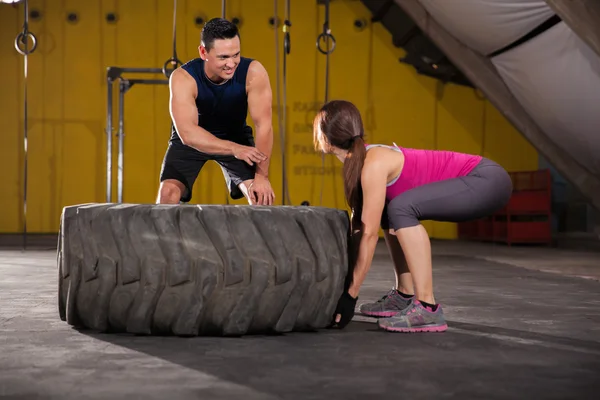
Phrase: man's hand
(249,154)
(261,192)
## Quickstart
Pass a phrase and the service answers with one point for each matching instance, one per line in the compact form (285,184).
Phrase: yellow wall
(67,102)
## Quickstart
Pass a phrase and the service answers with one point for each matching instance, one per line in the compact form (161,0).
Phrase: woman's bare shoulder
(382,160)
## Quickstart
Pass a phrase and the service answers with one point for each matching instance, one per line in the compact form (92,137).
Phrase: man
(209,102)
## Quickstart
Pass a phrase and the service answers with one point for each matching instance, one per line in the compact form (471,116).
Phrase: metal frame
(116,74)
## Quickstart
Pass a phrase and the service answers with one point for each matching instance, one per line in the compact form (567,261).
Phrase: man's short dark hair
(217,28)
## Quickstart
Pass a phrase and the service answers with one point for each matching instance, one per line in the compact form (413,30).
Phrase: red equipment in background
(527,218)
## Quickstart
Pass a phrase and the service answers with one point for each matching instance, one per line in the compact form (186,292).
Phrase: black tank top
(222,108)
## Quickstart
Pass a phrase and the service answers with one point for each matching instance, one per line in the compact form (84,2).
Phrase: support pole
(583,17)
(115,74)
(123,86)
(138,70)
(109,105)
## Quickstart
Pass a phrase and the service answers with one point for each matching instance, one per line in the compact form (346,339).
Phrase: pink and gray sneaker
(416,318)
(388,306)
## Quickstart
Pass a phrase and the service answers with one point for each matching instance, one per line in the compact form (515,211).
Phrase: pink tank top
(426,166)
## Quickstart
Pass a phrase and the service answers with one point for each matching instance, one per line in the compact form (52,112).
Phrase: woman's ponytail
(352,183)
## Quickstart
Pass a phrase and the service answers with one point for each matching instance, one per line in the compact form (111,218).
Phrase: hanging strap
(287,24)
(223,15)
(281,108)
(287,47)
(174,62)
(326,35)
(22,46)
(21,41)
(329,40)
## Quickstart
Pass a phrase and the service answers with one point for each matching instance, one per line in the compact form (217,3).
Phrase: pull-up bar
(116,74)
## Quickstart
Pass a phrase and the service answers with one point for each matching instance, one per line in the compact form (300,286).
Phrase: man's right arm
(184,113)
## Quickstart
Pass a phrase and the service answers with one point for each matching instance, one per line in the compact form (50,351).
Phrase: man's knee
(170,192)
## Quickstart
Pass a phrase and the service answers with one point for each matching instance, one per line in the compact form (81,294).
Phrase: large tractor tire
(201,270)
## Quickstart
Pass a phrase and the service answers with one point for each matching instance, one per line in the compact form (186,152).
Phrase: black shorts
(183,163)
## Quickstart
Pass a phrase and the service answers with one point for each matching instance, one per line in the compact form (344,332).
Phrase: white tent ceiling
(488,25)
(555,76)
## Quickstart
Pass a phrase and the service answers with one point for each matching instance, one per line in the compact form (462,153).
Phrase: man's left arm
(260,110)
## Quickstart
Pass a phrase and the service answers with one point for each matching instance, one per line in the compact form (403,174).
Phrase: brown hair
(339,124)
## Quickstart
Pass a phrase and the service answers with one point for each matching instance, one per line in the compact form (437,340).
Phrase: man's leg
(181,165)
(237,173)
(170,191)
(238,177)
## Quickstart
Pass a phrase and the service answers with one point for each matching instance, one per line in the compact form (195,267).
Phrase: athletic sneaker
(416,318)
(388,306)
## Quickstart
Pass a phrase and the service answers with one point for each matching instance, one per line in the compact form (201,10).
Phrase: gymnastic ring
(20,40)
(326,36)
(174,61)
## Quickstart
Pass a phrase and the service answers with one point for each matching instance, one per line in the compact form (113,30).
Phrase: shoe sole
(379,314)
(439,328)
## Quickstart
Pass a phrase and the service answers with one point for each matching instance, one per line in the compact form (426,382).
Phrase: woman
(395,188)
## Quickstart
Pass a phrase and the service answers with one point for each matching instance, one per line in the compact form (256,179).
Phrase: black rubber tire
(201,270)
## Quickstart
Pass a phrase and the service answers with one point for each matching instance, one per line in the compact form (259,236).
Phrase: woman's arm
(373,181)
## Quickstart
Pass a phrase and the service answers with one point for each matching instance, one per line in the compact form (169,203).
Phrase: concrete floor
(524,323)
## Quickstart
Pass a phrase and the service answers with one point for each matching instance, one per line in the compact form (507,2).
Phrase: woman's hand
(344,311)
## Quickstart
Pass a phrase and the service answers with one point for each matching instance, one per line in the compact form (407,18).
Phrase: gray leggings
(486,189)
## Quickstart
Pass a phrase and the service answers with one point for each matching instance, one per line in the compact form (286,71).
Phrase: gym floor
(524,323)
